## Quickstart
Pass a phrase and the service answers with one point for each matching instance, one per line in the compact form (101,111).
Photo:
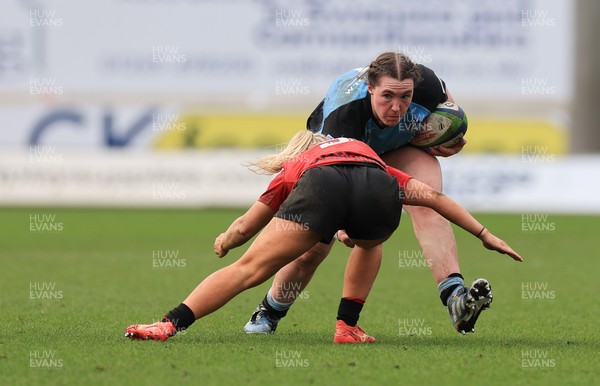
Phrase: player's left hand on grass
(342,236)
(496,244)
(219,250)
(441,151)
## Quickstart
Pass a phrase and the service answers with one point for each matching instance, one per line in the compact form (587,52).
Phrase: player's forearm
(237,234)
(247,226)
(456,214)
(418,193)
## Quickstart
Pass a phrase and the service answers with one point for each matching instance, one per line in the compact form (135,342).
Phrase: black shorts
(362,199)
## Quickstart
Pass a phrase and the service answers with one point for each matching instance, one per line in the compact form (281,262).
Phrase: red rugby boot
(155,331)
(349,334)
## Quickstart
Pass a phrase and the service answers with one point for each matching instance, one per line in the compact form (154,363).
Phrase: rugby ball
(445,126)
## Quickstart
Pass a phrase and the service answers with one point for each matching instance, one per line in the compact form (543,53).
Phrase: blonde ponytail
(300,142)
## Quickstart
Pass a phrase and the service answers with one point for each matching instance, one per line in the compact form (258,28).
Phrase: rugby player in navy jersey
(383,105)
(322,186)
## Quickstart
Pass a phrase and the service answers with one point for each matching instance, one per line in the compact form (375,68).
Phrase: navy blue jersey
(346,111)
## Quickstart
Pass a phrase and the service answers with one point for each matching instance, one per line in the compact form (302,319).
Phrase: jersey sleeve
(430,91)
(340,113)
(345,121)
(314,122)
(400,176)
(276,193)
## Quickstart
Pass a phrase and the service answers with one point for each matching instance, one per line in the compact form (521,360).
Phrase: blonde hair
(300,142)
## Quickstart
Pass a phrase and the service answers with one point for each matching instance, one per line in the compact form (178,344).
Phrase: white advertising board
(45,176)
(483,48)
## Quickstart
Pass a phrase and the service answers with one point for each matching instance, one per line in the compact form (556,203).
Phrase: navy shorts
(362,199)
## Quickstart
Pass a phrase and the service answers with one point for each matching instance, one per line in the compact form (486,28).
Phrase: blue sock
(449,286)
(277,306)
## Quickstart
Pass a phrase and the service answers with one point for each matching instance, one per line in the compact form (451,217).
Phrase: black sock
(181,316)
(272,311)
(349,311)
(447,291)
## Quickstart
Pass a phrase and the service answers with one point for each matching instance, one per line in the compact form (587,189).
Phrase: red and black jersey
(335,151)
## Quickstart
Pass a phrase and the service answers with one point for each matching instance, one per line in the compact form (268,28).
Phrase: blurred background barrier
(534,182)
(118,178)
(178,85)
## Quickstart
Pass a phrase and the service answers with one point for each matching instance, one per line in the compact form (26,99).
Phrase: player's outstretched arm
(418,193)
(244,228)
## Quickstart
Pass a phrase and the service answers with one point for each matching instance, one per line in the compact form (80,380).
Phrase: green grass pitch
(73,279)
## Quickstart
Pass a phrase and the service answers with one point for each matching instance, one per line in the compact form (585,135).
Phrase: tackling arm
(244,228)
(418,193)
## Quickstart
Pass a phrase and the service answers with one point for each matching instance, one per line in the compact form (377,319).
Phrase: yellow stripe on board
(259,131)
(218,131)
(515,136)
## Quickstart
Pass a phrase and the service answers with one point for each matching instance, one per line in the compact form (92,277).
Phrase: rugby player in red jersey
(323,186)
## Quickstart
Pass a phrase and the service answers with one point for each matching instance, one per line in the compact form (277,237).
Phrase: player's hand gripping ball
(445,126)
